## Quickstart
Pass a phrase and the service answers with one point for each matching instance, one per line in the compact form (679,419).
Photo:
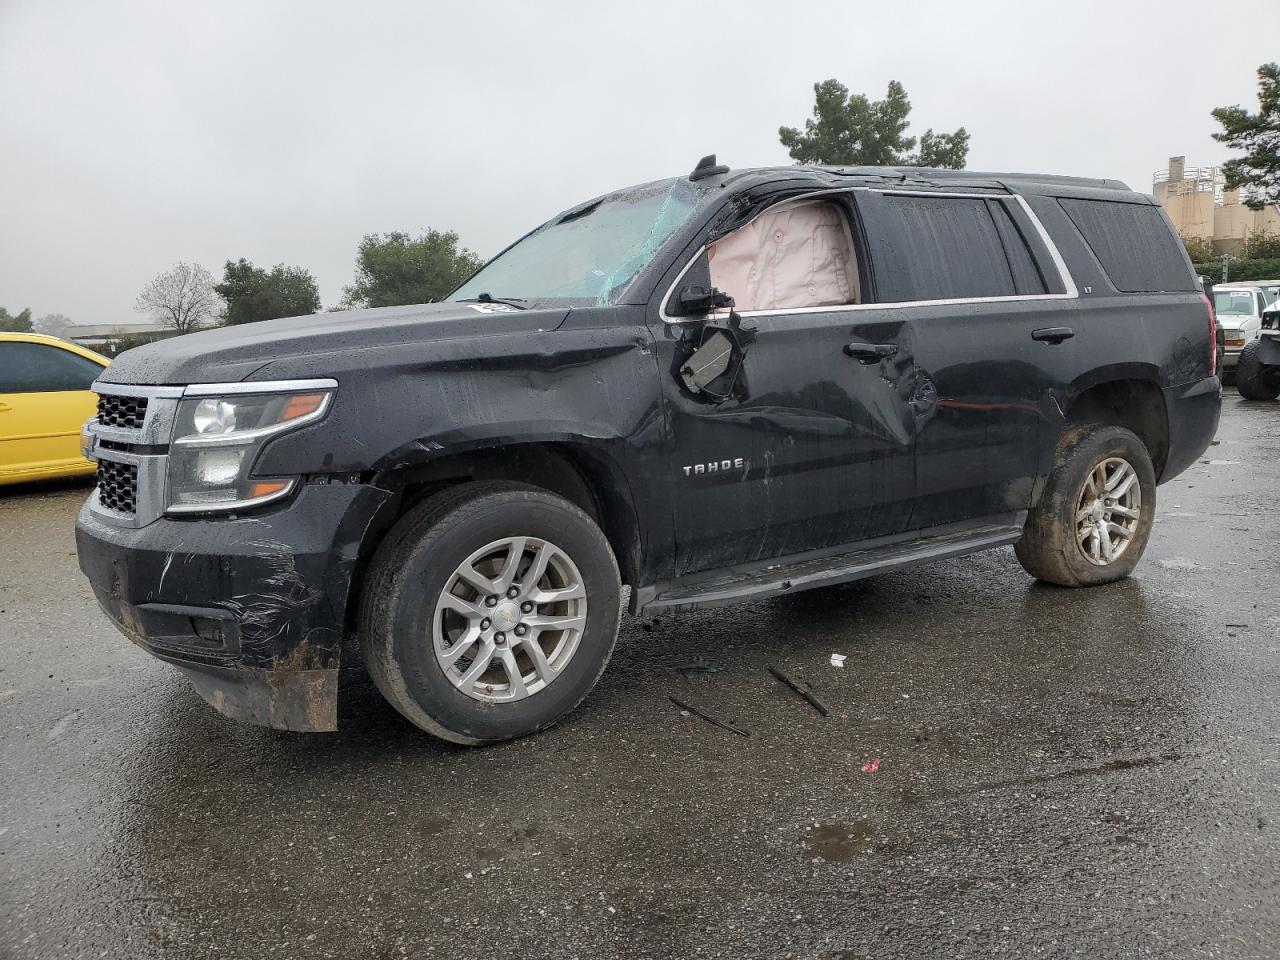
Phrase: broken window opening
(794,256)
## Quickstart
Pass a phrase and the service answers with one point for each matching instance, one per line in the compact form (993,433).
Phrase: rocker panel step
(807,573)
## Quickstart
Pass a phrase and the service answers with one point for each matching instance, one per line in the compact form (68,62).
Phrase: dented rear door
(993,331)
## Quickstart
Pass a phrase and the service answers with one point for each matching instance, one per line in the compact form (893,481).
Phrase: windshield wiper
(518,302)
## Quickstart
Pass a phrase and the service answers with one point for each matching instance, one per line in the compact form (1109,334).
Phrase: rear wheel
(1254,379)
(1094,518)
(490,611)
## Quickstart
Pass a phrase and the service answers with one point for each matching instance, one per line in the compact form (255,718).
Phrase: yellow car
(44,401)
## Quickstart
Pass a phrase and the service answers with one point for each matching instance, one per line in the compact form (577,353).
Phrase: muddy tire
(1254,379)
(1094,518)
(489,612)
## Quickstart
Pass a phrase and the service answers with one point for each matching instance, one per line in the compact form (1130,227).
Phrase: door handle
(869,352)
(5,408)
(1052,334)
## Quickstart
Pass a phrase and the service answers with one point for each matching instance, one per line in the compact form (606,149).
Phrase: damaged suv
(715,388)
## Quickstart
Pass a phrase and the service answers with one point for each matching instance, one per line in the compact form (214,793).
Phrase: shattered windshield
(593,252)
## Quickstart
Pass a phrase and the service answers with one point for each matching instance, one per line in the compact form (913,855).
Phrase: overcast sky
(133,135)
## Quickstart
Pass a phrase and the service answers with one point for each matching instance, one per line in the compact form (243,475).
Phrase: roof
(53,342)
(924,177)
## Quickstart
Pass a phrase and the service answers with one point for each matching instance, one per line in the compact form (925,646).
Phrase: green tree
(1258,134)
(395,268)
(949,150)
(1262,246)
(851,130)
(1198,248)
(19,323)
(253,294)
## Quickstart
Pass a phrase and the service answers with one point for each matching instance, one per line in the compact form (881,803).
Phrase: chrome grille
(118,486)
(133,426)
(115,410)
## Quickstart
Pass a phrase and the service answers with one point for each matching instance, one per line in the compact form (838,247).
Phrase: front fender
(403,406)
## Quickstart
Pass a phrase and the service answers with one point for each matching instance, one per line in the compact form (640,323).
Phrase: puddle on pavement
(938,739)
(432,826)
(838,842)
(1180,563)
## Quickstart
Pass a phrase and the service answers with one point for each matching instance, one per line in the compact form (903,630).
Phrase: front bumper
(252,609)
(1231,355)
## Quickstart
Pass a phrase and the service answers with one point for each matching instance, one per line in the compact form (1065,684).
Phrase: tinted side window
(1134,244)
(39,368)
(937,248)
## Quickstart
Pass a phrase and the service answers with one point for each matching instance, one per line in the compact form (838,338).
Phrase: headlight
(218,439)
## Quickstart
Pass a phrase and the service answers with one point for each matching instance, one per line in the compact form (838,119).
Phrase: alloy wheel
(510,619)
(1108,511)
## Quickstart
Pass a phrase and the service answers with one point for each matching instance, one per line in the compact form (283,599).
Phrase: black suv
(720,387)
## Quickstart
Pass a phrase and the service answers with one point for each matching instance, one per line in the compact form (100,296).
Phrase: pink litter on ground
(871,767)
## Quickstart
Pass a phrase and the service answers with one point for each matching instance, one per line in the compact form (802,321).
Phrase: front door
(44,401)
(815,447)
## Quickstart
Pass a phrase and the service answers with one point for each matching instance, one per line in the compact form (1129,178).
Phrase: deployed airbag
(791,257)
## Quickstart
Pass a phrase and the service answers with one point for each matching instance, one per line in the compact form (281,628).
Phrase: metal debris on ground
(723,725)
(813,701)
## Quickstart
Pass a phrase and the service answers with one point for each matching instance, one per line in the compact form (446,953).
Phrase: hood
(232,354)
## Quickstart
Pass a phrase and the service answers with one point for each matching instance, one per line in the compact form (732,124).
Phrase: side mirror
(714,368)
(709,363)
(697,301)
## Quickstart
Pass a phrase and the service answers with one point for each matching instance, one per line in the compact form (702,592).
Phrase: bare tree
(182,297)
(54,324)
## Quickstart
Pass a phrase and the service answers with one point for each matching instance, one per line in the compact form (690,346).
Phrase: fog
(138,134)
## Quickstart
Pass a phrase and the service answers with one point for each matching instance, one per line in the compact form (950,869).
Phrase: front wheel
(1094,519)
(490,611)
(1254,379)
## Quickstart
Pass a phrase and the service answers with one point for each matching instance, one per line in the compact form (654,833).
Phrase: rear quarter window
(1133,243)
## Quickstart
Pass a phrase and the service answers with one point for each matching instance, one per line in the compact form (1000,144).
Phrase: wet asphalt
(1086,773)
